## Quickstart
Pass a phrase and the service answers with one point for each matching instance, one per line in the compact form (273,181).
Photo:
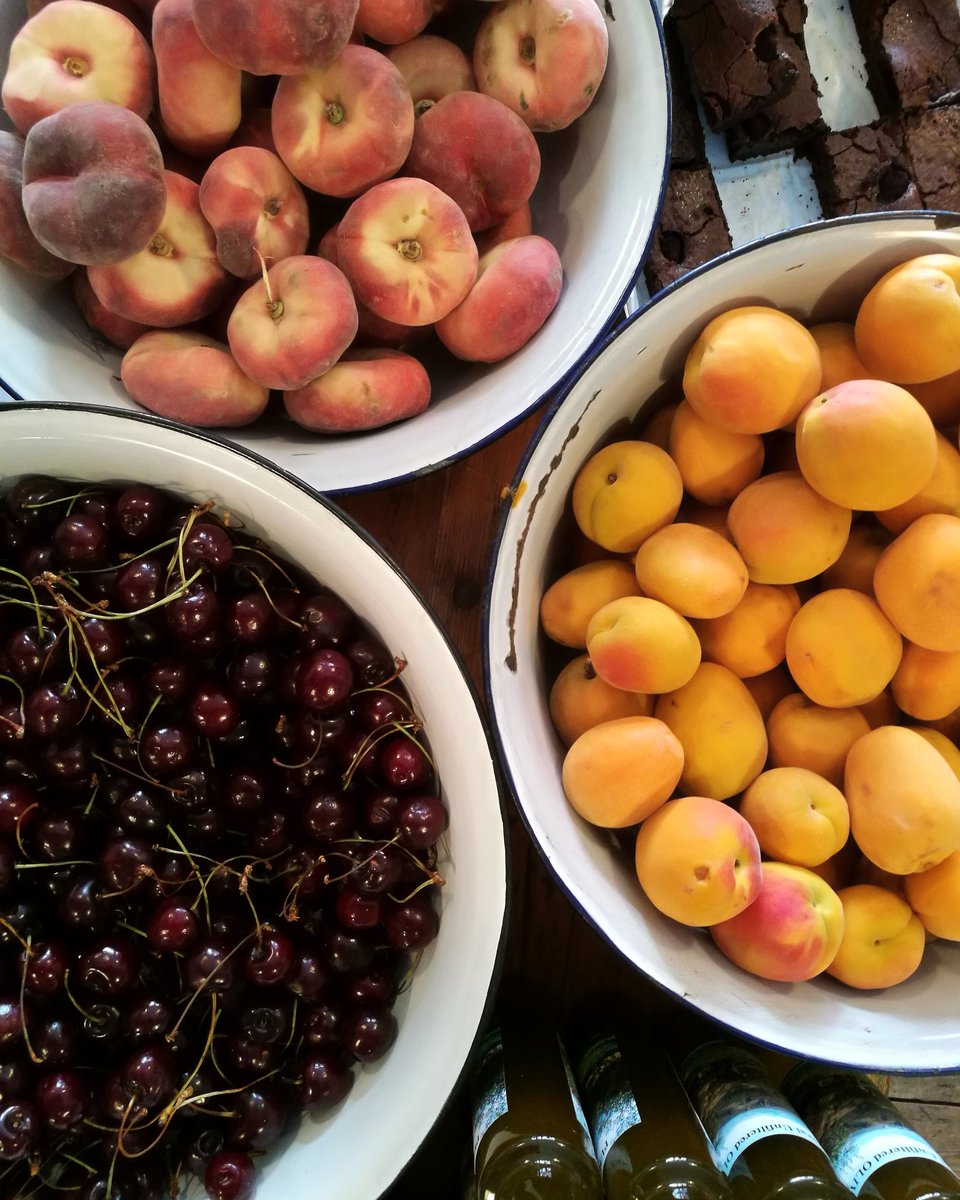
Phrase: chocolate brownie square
(864,169)
(692,227)
(792,120)
(932,141)
(686,132)
(740,53)
(911,49)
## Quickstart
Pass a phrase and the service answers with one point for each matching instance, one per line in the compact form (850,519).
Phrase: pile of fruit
(260,200)
(218,845)
(763,598)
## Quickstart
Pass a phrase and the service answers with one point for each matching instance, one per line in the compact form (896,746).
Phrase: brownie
(932,141)
(911,49)
(692,227)
(741,54)
(686,132)
(864,169)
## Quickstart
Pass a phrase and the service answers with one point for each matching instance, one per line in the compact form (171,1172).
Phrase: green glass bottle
(649,1142)
(759,1141)
(529,1134)
(875,1151)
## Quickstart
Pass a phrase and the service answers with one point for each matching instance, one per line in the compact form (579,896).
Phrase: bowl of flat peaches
(723,640)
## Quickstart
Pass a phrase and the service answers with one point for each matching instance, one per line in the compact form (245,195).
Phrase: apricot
(882,943)
(904,800)
(697,861)
(715,465)
(752,369)
(881,710)
(569,603)
(768,689)
(751,638)
(917,582)
(790,932)
(721,730)
(804,734)
(942,744)
(695,571)
(658,426)
(642,645)
(839,359)
(857,562)
(940,494)
(625,492)
(934,895)
(580,699)
(618,773)
(785,530)
(940,397)
(908,324)
(841,649)
(798,816)
(866,444)
(708,516)
(927,683)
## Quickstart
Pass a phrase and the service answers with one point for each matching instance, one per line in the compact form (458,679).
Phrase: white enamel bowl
(597,201)
(439,1015)
(818,273)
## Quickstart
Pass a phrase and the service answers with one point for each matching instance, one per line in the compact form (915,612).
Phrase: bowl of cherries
(252,851)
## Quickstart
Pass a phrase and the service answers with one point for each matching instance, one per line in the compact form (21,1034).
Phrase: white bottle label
(865,1151)
(609,1097)
(743,1129)
(490,1103)
(575,1098)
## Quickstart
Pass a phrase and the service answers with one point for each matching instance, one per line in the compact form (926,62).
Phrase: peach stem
(274,307)
(336,113)
(410,249)
(528,49)
(74,65)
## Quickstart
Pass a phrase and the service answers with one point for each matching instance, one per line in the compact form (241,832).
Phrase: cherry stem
(27,950)
(203,983)
(76,1004)
(196,871)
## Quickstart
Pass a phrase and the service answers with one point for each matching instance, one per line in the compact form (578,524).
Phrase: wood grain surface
(440,530)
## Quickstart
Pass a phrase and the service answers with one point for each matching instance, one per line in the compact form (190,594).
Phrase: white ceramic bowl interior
(816,273)
(598,201)
(358,1151)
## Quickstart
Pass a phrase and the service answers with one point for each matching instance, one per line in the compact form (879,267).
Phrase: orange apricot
(926,685)
(855,566)
(569,603)
(798,816)
(768,689)
(751,370)
(908,324)
(618,773)
(714,464)
(804,734)
(940,494)
(841,649)
(904,800)
(642,645)
(752,638)
(917,582)
(934,895)
(838,353)
(721,730)
(785,530)
(866,444)
(580,699)
(624,492)
(694,570)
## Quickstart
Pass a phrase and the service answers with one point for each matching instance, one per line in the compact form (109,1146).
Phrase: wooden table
(440,529)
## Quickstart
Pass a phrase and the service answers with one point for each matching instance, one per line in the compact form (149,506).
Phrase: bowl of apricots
(723,641)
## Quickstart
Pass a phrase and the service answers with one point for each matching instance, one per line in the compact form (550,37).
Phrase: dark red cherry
(322,1080)
(230,1176)
(324,681)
